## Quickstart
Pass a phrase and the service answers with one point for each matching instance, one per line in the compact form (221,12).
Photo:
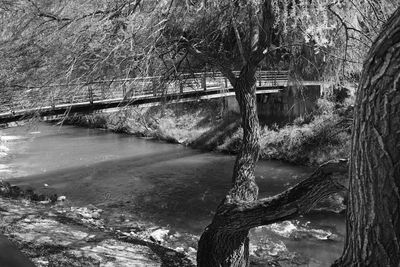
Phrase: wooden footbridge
(22,103)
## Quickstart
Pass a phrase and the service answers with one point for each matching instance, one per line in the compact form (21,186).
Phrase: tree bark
(225,241)
(373,215)
(220,246)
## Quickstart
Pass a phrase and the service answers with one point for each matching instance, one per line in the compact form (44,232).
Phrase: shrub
(310,139)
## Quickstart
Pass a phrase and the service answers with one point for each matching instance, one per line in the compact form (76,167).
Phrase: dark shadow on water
(166,187)
(180,189)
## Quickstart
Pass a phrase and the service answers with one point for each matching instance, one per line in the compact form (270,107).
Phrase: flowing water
(164,184)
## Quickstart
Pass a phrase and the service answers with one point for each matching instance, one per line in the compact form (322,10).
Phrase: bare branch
(262,34)
(225,70)
(238,40)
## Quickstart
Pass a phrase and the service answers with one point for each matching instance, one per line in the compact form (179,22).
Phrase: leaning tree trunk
(220,245)
(373,216)
(225,241)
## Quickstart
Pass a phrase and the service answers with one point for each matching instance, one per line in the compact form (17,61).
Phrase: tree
(45,42)
(225,241)
(228,36)
(373,216)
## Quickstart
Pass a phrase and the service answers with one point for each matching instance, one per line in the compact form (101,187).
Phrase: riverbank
(53,233)
(57,234)
(311,140)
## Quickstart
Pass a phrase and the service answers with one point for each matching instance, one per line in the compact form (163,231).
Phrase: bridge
(22,103)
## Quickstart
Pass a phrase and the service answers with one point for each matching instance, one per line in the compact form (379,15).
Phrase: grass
(309,140)
(314,139)
(179,123)
(312,143)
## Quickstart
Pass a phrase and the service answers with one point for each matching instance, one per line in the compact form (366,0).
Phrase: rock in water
(109,252)
(61,198)
(159,234)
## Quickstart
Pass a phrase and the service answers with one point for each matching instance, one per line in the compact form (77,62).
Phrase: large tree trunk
(373,216)
(219,245)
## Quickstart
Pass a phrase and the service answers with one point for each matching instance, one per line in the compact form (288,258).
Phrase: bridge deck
(61,99)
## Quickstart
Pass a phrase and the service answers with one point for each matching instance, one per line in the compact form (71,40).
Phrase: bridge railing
(128,89)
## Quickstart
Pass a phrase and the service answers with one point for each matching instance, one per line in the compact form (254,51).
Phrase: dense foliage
(62,41)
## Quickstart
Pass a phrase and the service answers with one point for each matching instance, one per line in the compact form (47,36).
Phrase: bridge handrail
(260,74)
(128,88)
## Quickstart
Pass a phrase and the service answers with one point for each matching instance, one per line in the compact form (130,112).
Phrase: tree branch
(225,70)
(263,39)
(238,40)
(329,178)
(52,17)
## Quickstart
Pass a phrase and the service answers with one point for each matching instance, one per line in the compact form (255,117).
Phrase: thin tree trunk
(373,216)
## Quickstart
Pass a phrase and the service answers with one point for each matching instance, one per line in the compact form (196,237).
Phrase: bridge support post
(103,93)
(259,77)
(124,90)
(204,81)
(53,93)
(90,90)
(154,85)
(181,87)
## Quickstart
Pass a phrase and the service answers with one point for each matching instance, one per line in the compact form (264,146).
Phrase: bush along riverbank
(313,139)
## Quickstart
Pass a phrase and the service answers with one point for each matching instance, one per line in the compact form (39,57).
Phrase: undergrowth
(179,123)
(321,136)
(309,140)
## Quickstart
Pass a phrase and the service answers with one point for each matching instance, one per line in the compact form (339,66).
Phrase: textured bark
(244,187)
(373,216)
(225,240)
(220,246)
(327,179)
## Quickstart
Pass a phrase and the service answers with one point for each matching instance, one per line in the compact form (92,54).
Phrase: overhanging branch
(225,70)
(329,178)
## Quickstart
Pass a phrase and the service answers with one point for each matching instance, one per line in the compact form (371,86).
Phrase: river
(166,185)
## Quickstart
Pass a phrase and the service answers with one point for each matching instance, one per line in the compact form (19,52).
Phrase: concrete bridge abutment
(285,106)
